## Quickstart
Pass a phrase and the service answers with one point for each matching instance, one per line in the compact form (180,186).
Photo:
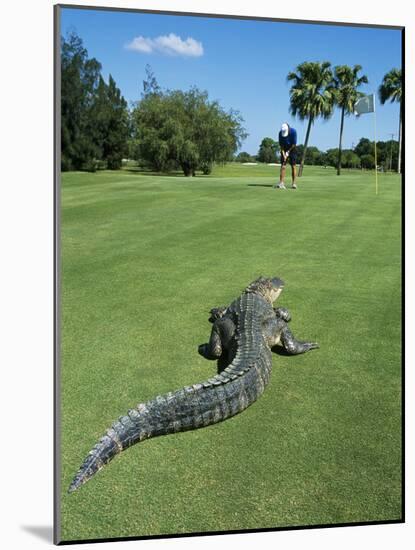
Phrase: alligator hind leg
(293,346)
(213,349)
(217,313)
(221,337)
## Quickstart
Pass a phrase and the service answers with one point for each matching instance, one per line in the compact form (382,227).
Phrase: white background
(26,276)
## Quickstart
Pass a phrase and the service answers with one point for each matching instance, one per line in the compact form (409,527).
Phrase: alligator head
(269,288)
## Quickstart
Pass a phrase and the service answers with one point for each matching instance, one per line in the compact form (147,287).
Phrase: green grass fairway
(144,258)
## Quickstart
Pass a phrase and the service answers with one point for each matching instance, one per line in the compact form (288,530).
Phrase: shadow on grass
(279,350)
(172,174)
(145,173)
(260,184)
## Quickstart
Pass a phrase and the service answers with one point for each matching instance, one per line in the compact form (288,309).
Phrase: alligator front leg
(276,331)
(283,313)
(293,346)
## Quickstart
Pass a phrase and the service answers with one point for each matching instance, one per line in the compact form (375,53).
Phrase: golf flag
(366,104)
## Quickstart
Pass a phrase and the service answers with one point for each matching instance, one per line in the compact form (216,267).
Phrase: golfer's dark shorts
(292,158)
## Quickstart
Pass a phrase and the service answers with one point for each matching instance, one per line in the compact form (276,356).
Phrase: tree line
(95,122)
(164,130)
(361,156)
(174,129)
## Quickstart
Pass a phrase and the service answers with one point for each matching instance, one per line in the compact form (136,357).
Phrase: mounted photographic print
(228,337)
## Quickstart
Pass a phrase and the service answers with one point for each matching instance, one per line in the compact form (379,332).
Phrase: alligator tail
(192,407)
(128,430)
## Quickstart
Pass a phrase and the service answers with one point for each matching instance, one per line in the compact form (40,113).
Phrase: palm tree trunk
(310,122)
(400,139)
(339,162)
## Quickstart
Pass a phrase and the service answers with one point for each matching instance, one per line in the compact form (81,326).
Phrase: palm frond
(312,93)
(391,87)
(347,82)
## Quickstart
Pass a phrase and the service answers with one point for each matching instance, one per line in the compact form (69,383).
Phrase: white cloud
(140,44)
(168,45)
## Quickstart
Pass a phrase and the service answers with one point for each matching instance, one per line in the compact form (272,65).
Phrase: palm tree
(391,89)
(346,81)
(311,95)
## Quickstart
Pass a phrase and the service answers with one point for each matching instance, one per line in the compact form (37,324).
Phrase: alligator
(241,341)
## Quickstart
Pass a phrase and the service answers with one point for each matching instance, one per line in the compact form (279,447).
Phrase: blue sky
(241,63)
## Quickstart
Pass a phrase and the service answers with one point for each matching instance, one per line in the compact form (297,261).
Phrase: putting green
(144,258)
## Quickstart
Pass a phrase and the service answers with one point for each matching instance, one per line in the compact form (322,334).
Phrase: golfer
(288,144)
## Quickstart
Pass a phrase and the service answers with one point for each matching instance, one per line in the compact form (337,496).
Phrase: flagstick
(376,156)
